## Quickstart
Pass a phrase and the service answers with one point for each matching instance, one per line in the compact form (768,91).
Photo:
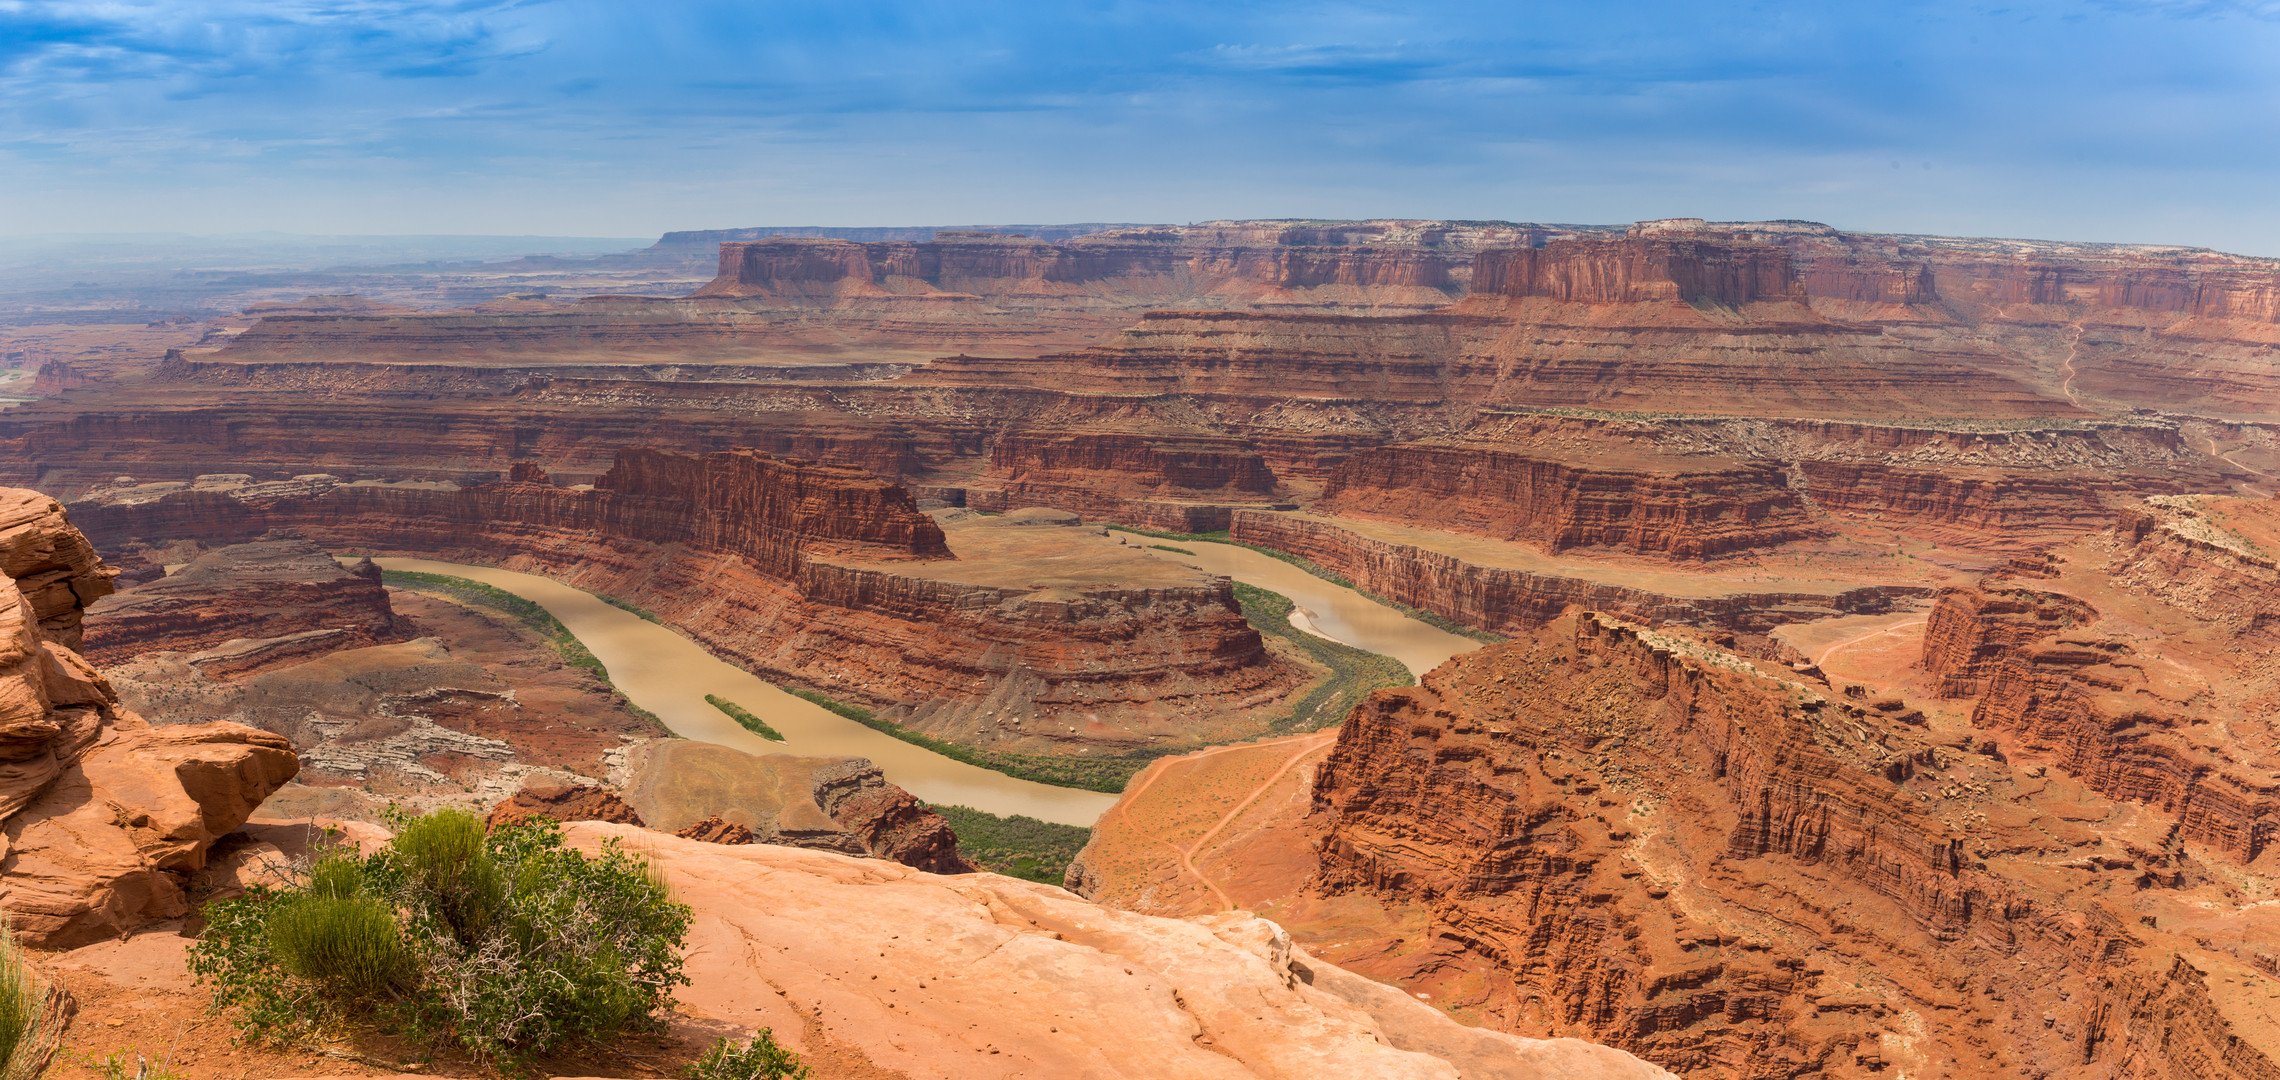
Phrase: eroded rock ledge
(104,816)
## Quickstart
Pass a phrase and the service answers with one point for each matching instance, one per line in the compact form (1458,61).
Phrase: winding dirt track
(1858,638)
(2073,349)
(1301,746)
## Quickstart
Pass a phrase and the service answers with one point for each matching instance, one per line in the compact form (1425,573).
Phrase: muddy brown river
(669,675)
(1339,614)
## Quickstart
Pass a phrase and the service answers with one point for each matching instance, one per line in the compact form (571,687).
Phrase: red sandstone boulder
(563,802)
(102,816)
(713,830)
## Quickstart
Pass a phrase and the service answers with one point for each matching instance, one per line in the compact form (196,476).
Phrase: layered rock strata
(1170,482)
(1637,269)
(562,803)
(791,569)
(1627,836)
(1686,514)
(104,816)
(2179,719)
(246,609)
(1160,264)
(1505,600)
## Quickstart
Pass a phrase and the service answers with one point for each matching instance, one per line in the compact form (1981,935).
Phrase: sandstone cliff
(1641,269)
(1169,481)
(985,976)
(2176,719)
(1639,839)
(1683,513)
(104,815)
(815,574)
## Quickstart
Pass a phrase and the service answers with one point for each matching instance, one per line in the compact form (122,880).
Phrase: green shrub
(509,944)
(445,861)
(350,947)
(744,716)
(758,1059)
(29,1029)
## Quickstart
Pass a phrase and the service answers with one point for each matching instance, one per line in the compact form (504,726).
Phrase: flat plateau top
(1482,551)
(999,555)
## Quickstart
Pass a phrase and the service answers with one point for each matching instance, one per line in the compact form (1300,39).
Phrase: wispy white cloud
(544,115)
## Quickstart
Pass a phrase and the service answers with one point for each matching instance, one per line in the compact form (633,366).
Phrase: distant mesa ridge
(704,241)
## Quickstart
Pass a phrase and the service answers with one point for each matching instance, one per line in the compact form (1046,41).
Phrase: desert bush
(758,1059)
(28,1023)
(349,946)
(508,943)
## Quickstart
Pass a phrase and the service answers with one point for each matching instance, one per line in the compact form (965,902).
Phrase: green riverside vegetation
(1107,772)
(636,609)
(1353,672)
(527,612)
(1018,846)
(744,716)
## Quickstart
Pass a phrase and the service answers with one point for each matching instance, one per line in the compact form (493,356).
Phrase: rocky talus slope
(104,816)
(983,976)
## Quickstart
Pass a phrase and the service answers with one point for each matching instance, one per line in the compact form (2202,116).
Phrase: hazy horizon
(2155,121)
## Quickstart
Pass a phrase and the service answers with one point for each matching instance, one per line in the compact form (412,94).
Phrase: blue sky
(2149,121)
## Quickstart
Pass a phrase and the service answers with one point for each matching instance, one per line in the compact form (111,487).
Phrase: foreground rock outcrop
(986,976)
(562,802)
(104,816)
